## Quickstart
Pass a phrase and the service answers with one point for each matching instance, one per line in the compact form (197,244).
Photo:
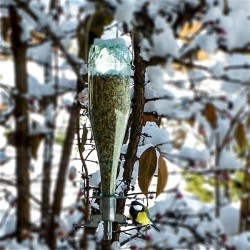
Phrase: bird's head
(139,207)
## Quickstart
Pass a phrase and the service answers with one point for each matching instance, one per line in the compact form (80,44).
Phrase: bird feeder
(109,104)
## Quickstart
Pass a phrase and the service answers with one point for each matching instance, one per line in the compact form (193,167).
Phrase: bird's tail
(154,226)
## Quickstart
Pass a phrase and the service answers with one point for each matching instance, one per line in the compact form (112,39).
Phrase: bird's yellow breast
(142,218)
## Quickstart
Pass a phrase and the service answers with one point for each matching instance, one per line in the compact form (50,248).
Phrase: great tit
(139,214)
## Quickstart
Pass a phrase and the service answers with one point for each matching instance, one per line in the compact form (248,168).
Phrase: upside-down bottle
(109,105)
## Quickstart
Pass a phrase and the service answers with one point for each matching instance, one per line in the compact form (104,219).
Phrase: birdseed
(109,109)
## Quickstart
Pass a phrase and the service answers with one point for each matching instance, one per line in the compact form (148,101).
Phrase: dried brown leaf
(84,137)
(162,175)
(248,122)
(151,118)
(240,136)
(147,167)
(210,114)
(179,138)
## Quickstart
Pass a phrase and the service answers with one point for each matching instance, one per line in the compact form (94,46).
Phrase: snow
(50,114)
(242,241)
(41,53)
(233,33)
(7,67)
(109,42)
(223,126)
(116,245)
(159,46)
(10,224)
(207,42)
(230,211)
(37,126)
(155,136)
(125,10)
(27,25)
(227,160)
(198,155)
(238,59)
(155,74)
(3,157)
(218,69)
(38,90)
(95,178)
(71,219)
(212,15)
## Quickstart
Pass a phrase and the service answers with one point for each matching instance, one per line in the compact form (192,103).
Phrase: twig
(54,37)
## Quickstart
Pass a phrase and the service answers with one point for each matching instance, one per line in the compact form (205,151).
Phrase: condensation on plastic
(109,57)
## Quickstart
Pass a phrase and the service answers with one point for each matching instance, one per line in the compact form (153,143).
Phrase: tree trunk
(49,141)
(46,184)
(61,177)
(136,127)
(216,179)
(245,200)
(22,125)
(47,160)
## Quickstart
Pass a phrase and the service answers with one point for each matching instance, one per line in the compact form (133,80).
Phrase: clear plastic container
(109,104)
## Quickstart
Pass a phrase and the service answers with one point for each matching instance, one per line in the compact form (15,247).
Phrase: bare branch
(75,64)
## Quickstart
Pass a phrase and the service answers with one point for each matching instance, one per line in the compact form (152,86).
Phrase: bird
(139,214)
